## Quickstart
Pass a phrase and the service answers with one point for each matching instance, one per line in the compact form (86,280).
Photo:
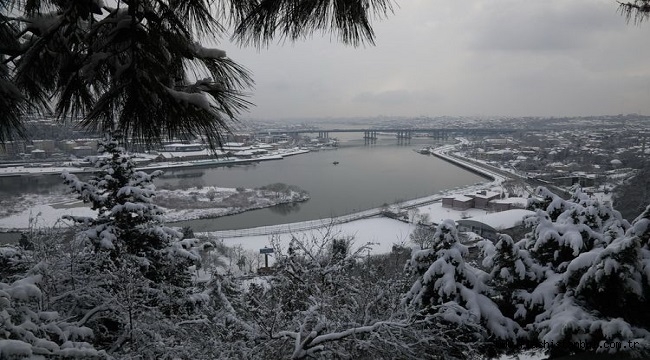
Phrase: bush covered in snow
(325,300)
(579,281)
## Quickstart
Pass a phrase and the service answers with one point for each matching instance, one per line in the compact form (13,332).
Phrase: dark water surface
(367,176)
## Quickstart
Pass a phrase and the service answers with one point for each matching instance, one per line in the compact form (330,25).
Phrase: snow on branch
(313,342)
(198,100)
(208,53)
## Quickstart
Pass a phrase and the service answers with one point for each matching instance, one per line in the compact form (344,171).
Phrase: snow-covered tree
(137,66)
(512,273)
(449,286)
(128,223)
(139,279)
(563,229)
(578,277)
(612,285)
(29,332)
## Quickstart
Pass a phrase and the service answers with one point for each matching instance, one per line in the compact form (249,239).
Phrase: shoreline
(18,172)
(440,152)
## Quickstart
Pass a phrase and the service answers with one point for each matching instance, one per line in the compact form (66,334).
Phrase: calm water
(367,176)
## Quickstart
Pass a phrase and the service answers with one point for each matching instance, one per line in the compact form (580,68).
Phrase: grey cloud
(544,27)
(394,97)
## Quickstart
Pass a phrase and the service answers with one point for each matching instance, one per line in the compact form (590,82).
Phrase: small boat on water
(335,163)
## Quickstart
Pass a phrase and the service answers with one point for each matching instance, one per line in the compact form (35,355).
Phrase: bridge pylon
(404,134)
(370,134)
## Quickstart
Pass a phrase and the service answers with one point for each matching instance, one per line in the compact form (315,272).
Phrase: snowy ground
(381,232)
(437,213)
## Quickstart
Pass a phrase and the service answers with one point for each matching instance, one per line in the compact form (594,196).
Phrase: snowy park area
(381,233)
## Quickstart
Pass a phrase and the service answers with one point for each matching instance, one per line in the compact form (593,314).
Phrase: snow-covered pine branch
(448,286)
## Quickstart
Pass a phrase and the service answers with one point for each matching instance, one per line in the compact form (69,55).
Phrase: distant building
(184,147)
(67,145)
(49,146)
(83,151)
(482,198)
(204,154)
(38,154)
(245,154)
(508,204)
(458,202)
(490,225)
(13,149)
(582,180)
(240,137)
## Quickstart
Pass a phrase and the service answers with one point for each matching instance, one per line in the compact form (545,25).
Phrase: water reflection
(286,209)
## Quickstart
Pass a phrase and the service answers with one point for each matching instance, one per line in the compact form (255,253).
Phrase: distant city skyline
(470,58)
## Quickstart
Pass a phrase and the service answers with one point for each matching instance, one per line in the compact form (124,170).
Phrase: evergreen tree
(513,274)
(636,10)
(141,278)
(613,283)
(450,287)
(12,102)
(128,223)
(563,229)
(579,276)
(136,67)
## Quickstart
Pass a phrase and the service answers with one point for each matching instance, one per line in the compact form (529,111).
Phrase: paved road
(508,175)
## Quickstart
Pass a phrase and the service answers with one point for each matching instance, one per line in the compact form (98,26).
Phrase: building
(38,154)
(13,149)
(508,204)
(580,179)
(49,146)
(83,151)
(204,154)
(482,198)
(458,202)
(184,147)
(489,226)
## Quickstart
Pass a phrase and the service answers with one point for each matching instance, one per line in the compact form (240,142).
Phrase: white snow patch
(381,232)
(42,216)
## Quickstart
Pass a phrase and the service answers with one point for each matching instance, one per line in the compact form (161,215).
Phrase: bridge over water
(401,133)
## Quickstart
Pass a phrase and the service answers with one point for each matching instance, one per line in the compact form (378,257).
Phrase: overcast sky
(471,57)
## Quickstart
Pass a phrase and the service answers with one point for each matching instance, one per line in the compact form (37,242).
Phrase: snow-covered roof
(487,195)
(502,220)
(437,213)
(244,153)
(458,197)
(181,154)
(513,200)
